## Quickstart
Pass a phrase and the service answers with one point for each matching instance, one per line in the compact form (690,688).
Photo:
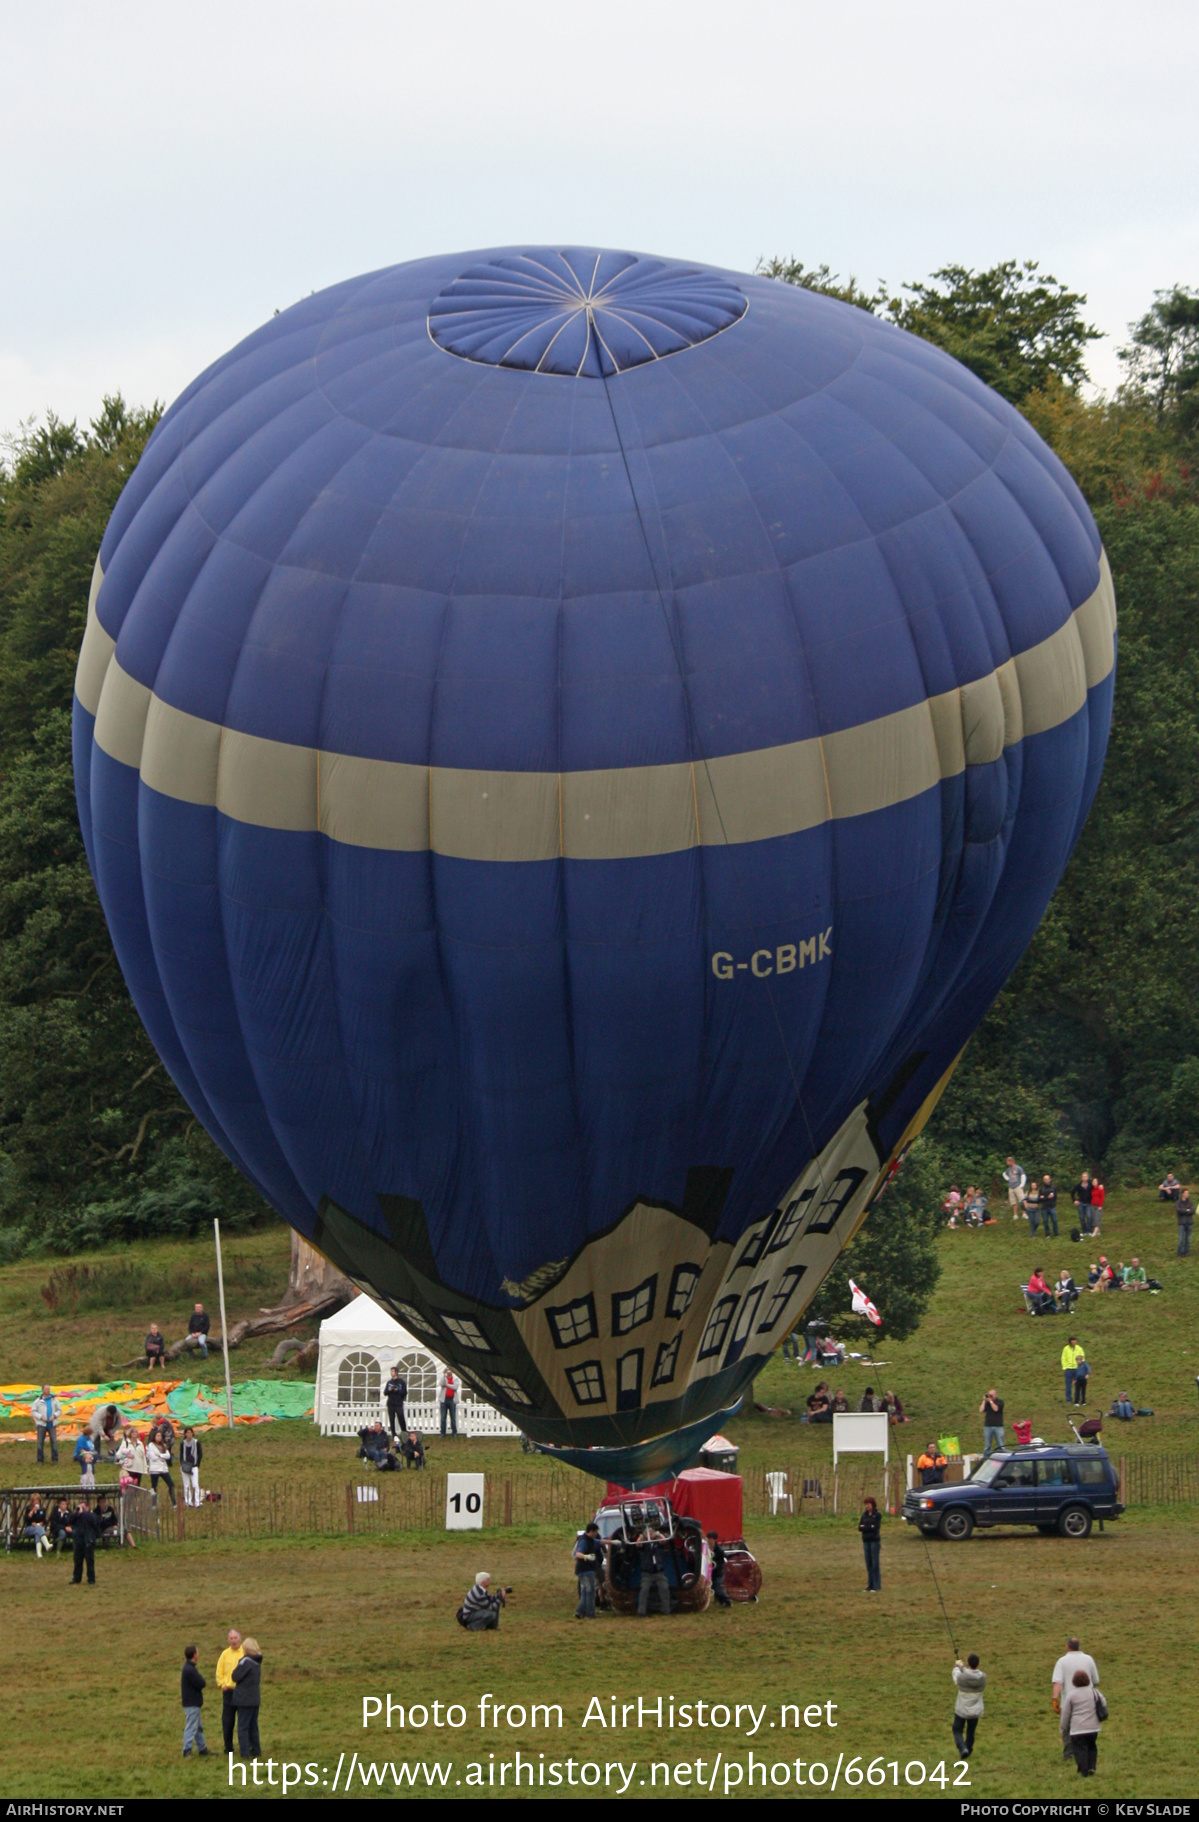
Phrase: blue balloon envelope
(569,746)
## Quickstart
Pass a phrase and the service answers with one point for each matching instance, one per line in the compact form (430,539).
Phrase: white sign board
(464,1502)
(860,1433)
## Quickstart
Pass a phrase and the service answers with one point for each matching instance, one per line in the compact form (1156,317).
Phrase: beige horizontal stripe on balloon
(617,813)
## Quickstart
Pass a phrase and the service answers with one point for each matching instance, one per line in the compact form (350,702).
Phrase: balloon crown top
(580,312)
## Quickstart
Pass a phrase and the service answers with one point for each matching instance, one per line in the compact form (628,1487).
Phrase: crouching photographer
(480,1611)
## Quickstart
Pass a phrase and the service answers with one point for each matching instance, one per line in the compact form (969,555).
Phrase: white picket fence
(474,1418)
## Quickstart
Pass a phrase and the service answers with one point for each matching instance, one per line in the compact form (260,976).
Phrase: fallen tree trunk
(269,1323)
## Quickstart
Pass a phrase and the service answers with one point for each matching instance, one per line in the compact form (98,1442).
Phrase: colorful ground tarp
(144,1401)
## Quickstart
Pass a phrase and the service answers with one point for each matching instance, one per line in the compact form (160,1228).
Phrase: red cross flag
(862,1305)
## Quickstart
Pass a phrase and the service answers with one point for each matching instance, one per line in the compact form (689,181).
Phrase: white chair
(779,1492)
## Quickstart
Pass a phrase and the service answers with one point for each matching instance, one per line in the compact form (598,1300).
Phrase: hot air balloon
(569,745)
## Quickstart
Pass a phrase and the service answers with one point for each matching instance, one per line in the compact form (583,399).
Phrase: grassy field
(976,1334)
(344,1619)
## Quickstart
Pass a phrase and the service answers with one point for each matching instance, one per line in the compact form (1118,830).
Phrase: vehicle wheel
(1075,1521)
(957,1524)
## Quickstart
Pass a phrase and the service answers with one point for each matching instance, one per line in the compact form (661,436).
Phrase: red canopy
(702,1493)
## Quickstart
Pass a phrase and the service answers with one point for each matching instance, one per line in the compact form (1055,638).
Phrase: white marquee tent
(358,1348)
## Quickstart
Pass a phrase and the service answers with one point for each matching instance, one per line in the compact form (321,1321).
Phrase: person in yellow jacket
(1072,1353)
(225,1666)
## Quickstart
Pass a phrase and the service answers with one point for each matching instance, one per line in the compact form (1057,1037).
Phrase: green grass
(342,1619)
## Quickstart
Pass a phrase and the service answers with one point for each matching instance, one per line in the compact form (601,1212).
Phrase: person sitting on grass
(893,1406)
(373,1442)
(869,1402)
(1041,1295)
(413,1450)
(1094,1277)
(37,1525)
(1107,1276)
(952,1204)
(1169,1189)
(1134,1277)
(1123,1408)
(480,1611)
(840,1401)
(1065,1290)
(931,1465)
(61,1524)
(819,1405)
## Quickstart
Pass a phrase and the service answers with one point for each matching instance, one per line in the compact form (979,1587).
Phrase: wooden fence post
(179,1510)
(508,1501)
(350,1510)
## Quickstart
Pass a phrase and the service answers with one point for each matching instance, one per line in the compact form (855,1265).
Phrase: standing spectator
(46,1412)
(1032,1204)
(104,1425)
(1169,1189)
(156,1347)
(871,1527)
(1185,1210)
(719,1592)
(1072,1659)
(1072,1353)
(589,1563)
(931,1465)
(1098,1198)
(1048,1199)
(1080,1722)
(991,1410)
(1082,1202)
(790,1348)
(193,1706)
(970,1682)
(191,1454)
(198,1325)
(1015,1179)
(654,1551)
(1082,1372)
(226,1664)
(132,1456)
(395,1392)
(84,1531)
(449,1403)
(159,1462)
(247,1697)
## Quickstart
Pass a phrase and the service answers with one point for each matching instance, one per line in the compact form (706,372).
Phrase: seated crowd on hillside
(824,1403)
(377,1446)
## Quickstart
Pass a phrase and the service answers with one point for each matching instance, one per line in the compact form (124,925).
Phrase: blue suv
(1056,1489)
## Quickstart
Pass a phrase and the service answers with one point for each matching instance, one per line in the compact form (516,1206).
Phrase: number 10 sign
(464,1502)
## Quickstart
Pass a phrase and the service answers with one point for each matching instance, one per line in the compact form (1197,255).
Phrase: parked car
(1061,1489)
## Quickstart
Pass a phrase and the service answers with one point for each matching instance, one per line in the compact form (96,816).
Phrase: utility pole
(220,1284)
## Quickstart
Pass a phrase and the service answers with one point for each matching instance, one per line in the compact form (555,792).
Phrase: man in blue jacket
(46,1412)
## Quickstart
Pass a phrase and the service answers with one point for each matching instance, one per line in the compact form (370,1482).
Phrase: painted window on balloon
(718,1327)
(587,1382)
(664,1365)
(631,1308)
(682,1288)
(781,1298)
(628,1380)
(467,1333)
(511,1389)
(571,1323)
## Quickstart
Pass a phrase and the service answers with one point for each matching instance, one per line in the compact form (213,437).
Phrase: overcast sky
(172,174)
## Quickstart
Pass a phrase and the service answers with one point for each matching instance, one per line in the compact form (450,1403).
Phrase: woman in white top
(132,1457)
(160,1467)
(1080,1722)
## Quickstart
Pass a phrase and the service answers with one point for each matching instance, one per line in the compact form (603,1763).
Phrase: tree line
(1090,1054)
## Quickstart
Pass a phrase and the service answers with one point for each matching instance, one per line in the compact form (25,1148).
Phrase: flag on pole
(862,1305)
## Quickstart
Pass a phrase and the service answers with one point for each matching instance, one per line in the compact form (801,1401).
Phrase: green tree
(823,279)
(894,1256)
(1162,357)
(1015,328)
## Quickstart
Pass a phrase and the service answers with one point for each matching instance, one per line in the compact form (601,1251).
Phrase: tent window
(358,1379)
(573,1322)
(631,1308)
(667,1360)
(420,1373)
(467,1333)
(682,1288)
(587,1382)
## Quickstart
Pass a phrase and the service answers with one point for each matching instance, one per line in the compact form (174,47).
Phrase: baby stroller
(1088,1431)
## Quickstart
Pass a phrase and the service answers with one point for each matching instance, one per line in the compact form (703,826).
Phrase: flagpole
(220,1285)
